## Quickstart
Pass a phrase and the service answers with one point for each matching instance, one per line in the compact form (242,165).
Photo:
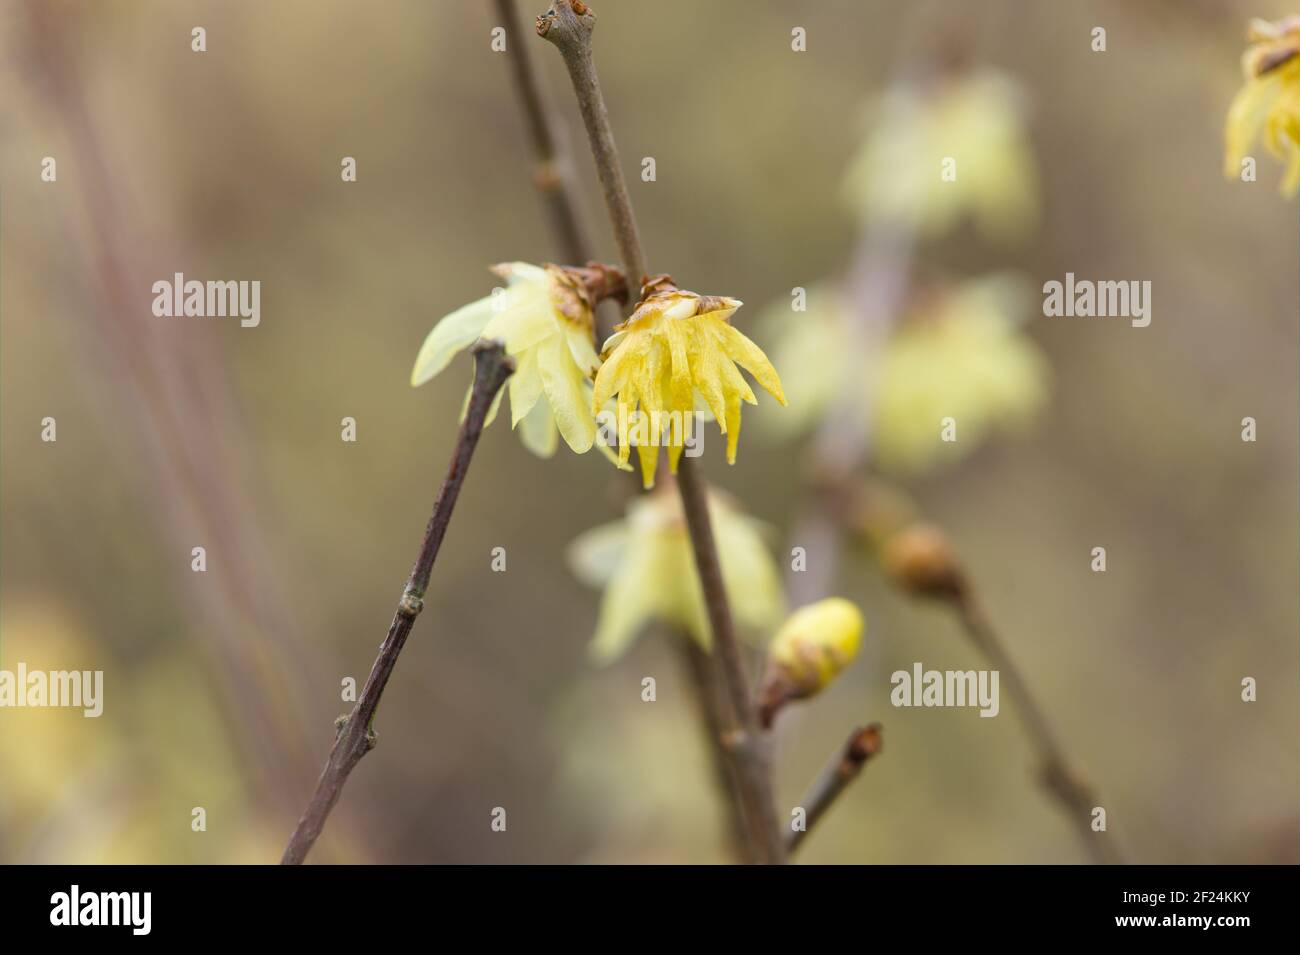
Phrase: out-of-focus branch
(921,561)
(1075,796)
(844,766)
(568,24)
(176,401)
(551,175)
(356,735)
(552,179)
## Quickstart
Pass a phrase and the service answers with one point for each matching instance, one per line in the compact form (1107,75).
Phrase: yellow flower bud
(810,649)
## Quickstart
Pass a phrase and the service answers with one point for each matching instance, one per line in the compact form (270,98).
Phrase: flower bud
(810,649)
(919,559)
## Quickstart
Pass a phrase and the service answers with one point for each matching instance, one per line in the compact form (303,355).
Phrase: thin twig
(551,175)
(356,735)
(749,754)
(714,708)
(553,180)
(844,766)
(568,24)
(1074,794)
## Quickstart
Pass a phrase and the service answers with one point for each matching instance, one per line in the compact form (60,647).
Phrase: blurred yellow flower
(811,648)
(675,346)
(965,361)
(645,565)
(952,149)
(1270,99)
(816,354)
(544,316)
(958,355)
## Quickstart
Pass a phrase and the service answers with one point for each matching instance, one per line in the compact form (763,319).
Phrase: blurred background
(221,687)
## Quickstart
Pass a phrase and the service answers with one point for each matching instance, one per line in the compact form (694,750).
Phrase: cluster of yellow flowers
(643,564)
(677,353)
(952,150)
(676,356)
(959,353)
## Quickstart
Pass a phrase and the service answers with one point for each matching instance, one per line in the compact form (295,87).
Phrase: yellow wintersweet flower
(965,361)
(958,354)
(952,149)
(645,565)
(544,316)
(1270,98)
(675,347)
(810,650)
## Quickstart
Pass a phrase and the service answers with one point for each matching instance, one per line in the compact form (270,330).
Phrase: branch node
(566,23)
(410,605)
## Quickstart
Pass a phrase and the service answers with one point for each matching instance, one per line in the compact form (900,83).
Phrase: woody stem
(568,25)
(355,735)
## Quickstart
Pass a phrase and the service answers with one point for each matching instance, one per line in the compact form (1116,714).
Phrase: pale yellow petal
(563,384)
(633,598)
(1244,120)
(595,555)
(453,333)
(704,359)
(581,348)
(525,386)
(537,431)
(749,356)
(516,273)
(613,373)
(733,427)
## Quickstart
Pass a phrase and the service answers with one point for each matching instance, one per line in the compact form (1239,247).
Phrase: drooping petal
(734,383)
(632,599)
(675,455)
(581,348)
(595,555)
(733,427)
(525,386)
(563,384)
(613,373)
(704,358)
(748,569)
(748,355)
(627,401)
(538,432)
(453,333)
(649,455)
(682,391)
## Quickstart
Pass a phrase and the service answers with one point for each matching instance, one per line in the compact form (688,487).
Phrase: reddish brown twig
(844,766)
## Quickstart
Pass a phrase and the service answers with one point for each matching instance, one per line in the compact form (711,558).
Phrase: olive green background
(221,687)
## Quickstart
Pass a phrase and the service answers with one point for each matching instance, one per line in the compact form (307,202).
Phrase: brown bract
(1276,43)
(920,559)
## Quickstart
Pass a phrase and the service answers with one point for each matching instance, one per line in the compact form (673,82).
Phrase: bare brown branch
(844,766)
(356,736)
(551,175)
(568,24)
